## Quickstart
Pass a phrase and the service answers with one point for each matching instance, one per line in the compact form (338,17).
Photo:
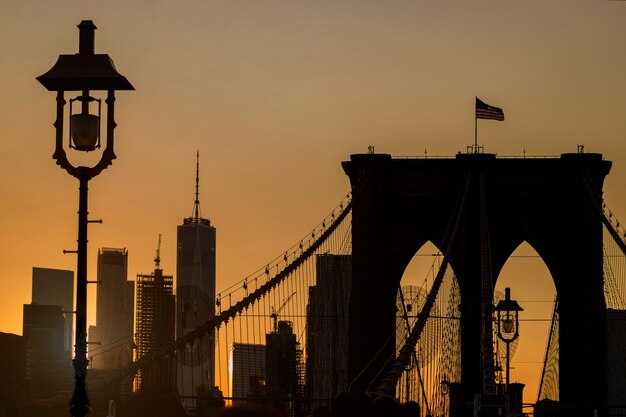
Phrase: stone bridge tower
(551,203)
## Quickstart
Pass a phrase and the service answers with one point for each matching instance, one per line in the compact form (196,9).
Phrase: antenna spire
(196,214)
(157,260)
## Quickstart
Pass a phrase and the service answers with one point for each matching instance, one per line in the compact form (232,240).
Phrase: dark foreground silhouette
(345,405)
(239,411)
(154,405)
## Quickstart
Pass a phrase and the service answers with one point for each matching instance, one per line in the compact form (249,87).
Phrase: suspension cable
(233,310)
(405,316)
(548,345)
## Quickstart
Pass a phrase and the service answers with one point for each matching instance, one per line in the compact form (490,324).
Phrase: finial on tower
(196,216)
(157,260)
(196,206)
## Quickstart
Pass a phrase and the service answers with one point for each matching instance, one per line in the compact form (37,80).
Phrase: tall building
(327,329)
(283,370)
(48,367)
(155,328)
(44,328)
(114,312)
(246,363)
(195,294)
(13,386)
(55,287)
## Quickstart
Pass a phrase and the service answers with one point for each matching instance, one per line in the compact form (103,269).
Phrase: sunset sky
(274,95)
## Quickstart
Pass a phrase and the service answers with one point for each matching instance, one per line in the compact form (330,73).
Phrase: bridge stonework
(551,203)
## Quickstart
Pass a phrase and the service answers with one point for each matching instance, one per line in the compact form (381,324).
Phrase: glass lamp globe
(508,325)
(85,130)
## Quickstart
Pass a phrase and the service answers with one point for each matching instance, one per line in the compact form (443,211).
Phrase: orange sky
(274,95)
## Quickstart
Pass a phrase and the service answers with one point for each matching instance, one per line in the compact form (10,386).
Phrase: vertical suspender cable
(225,359)
(489,384)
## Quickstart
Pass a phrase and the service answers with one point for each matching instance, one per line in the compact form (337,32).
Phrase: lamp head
(85,72)
(508,314)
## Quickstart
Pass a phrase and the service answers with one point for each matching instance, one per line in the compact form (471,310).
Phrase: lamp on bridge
(508,327)
(84,72)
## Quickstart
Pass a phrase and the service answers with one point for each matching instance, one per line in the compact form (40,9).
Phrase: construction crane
(274,314)
(157,260)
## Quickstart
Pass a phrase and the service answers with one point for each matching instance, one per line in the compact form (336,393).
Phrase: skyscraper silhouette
(114,311)
(195,293)
(283,370)
(327,329)
(155,328)
(247,372)
(48,366)
(55,287)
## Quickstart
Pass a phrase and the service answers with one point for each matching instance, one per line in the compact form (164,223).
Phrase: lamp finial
(87,38)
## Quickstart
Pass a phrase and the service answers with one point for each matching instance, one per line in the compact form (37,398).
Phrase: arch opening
(532,285)
(437,358)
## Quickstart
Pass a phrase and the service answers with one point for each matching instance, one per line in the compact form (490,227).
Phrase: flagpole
(475,132)
(486,112)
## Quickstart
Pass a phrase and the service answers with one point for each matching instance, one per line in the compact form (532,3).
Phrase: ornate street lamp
(508,327)
(84,72)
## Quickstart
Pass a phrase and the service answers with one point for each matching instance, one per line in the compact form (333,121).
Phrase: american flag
(485,111)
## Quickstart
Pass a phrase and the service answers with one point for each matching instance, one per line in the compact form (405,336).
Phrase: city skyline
(275,97)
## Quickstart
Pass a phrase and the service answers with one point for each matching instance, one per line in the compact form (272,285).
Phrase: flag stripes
(485,111)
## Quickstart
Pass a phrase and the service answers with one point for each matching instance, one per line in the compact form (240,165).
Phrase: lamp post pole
(508,365)
(79,404)
(508,331)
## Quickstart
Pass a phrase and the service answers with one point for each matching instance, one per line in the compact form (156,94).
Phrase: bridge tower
(551,203)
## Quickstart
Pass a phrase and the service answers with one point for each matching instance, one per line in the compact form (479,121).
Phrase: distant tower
(284,370)
(247,372)
(55,287)
(114,312)
(327,329)
(47,365)
(195,292)
(155,327)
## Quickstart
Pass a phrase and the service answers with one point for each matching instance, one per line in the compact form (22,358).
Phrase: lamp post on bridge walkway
(83,72)
(508,330)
